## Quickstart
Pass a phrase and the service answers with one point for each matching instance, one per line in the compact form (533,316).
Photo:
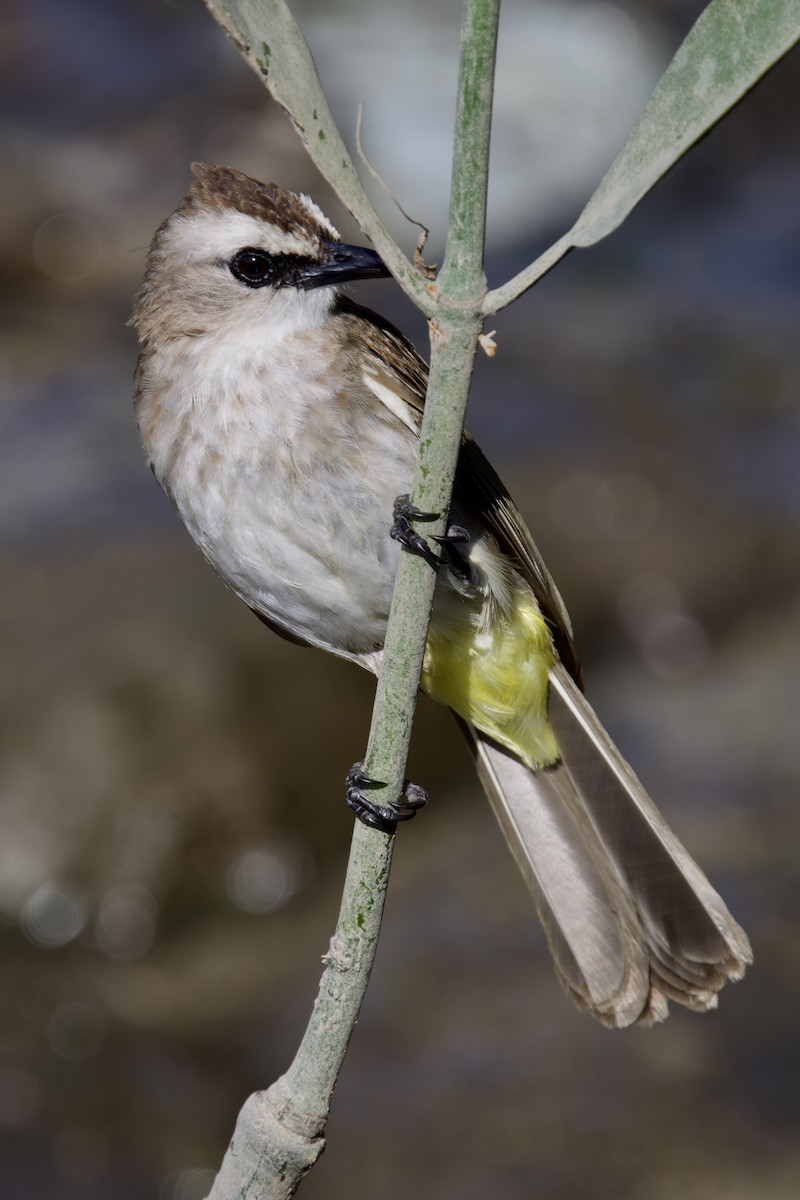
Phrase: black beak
(340,264)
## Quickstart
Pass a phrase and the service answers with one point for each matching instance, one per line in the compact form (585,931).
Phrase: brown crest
(226,188)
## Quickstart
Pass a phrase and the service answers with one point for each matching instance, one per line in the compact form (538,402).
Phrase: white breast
(290,504)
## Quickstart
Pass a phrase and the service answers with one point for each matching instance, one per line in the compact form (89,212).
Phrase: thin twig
(500,297)
(428,270)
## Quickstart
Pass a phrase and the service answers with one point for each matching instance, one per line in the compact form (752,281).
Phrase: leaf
(733,43)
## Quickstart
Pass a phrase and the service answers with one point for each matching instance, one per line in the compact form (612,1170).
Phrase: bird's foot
(378,816)
(403,531)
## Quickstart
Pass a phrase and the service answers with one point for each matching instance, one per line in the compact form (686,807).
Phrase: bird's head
(239,253)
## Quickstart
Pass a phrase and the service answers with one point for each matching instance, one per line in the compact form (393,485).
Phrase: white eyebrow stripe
(396,406)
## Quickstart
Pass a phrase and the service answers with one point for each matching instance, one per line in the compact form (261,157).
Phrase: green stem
(279,1133)
(454,339)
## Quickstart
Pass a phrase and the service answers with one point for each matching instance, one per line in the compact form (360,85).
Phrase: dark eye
(253,267)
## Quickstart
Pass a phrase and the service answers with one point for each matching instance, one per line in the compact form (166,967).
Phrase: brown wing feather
(478,488)
(392,354)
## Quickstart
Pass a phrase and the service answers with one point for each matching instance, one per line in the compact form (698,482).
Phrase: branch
(280,1133)
(726,52)
(454,339)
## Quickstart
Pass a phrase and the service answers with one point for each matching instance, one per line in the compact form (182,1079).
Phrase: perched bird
(282,420)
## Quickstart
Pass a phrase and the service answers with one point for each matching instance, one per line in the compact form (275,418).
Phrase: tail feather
(687,925)
(631,919)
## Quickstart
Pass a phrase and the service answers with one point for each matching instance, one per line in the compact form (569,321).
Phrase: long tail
(631,919)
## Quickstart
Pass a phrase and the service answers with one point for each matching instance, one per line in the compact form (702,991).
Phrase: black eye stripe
(256,268)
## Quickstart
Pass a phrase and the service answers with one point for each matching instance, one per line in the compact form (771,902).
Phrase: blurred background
(173,835)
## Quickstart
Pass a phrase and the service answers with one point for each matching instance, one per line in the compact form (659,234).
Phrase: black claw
(372,814)
(455,536)
(357,778)
(379,816)
(459,564)
(415,796)
(404,508)
(404,532)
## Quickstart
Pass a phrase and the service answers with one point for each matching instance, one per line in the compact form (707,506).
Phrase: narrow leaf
(733,44)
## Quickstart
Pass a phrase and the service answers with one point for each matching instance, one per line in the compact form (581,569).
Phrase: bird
(282,420)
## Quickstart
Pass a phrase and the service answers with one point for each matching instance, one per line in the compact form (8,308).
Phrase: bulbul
(282,420)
